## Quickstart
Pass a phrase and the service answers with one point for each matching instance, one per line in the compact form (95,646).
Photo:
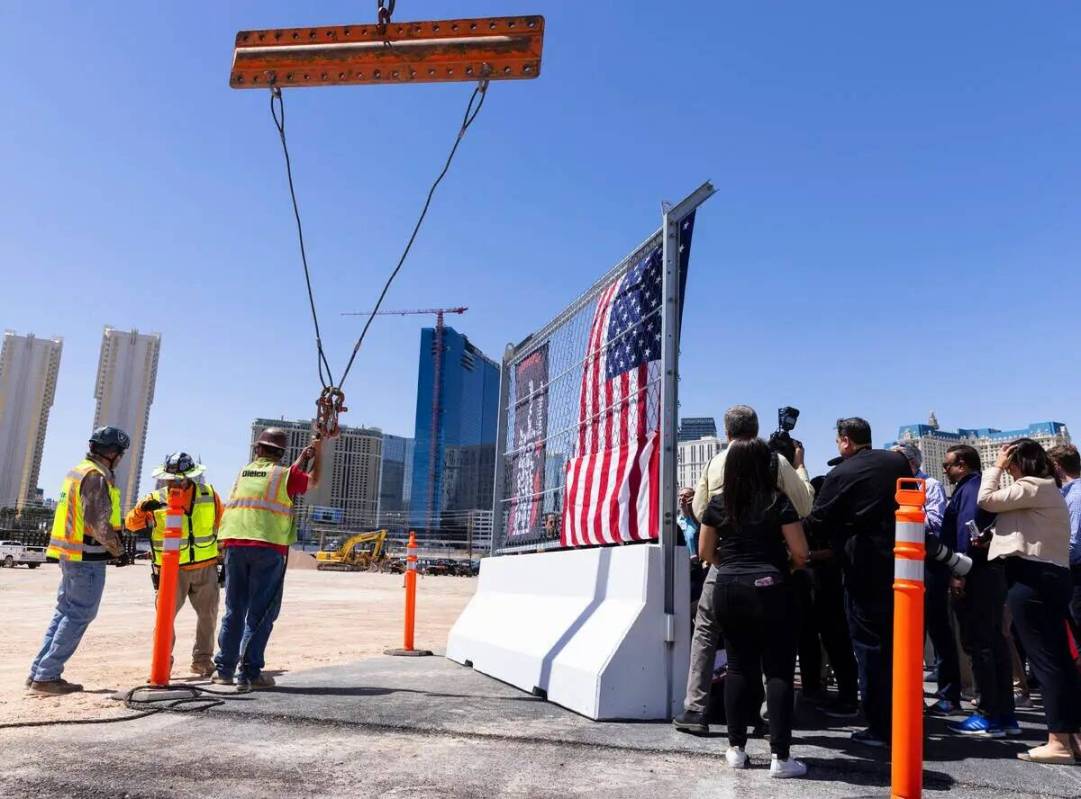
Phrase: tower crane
(437,396)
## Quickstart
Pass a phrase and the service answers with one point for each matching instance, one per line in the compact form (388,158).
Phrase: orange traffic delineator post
(407,649)
(161,659)
(906,778)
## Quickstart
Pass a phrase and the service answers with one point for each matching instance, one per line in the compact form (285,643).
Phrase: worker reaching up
(256,531)
(197,580)
(85,535)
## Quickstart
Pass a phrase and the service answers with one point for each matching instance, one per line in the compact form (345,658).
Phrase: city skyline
(863,182)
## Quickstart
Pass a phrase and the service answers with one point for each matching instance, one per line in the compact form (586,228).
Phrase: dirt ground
(326,618)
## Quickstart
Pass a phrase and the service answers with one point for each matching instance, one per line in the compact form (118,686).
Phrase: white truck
(13,553)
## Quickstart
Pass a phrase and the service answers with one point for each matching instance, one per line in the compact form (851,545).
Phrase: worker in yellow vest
(197,580)
(85,535)
(256,531)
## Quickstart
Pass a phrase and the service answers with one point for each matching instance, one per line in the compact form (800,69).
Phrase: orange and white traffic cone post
(407,649)
(161,659)
(908,589)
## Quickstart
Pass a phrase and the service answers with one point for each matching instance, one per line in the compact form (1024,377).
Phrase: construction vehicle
(358,552)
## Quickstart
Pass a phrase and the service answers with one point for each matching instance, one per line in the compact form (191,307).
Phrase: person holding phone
(1032,536)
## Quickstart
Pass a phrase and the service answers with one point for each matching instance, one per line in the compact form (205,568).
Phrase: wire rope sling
(481,50)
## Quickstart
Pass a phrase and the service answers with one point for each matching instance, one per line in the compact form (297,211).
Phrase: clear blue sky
(895,229)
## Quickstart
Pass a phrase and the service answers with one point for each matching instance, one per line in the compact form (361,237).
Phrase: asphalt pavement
(427,727)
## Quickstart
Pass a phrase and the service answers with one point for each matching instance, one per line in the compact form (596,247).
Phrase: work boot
(57,687)
(245,685)
(220,679)
(202,669)
(691,721)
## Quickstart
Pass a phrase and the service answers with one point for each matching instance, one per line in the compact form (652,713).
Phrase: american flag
(611,482)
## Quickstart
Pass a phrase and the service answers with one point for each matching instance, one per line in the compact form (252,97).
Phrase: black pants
(1075,604)
(870,623)
(831,625)
(809,647)
(760,637)
(1039,596)
(936,609)
(980,615)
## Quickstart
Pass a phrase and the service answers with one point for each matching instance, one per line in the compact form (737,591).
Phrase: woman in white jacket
(1032,533)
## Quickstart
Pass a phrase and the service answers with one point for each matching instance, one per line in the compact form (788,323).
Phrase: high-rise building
(127,374)
(933,442)
(395,482)
(28,370)
(692,457)
(458,437)
(348,490)
(692,428)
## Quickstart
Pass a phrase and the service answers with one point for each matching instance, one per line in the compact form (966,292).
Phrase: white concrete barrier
(584,627)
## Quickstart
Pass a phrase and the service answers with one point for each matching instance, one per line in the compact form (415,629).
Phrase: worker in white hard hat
(198,578)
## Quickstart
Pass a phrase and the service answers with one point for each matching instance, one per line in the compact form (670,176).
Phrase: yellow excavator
(358,552)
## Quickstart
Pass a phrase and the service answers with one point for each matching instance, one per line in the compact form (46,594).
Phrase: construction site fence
(541,407)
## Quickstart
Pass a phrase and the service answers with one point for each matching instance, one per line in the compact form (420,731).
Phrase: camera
(938,550)
(781,440)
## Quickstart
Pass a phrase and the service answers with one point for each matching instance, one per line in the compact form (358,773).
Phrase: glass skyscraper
(464,435)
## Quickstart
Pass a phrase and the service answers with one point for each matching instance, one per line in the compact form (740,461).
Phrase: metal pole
(498,527)
(671,221)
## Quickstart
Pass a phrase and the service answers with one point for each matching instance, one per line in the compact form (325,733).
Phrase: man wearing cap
(197,580)
(257,528)
(85,535)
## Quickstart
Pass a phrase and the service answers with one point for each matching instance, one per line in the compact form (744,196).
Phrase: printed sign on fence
(530,426)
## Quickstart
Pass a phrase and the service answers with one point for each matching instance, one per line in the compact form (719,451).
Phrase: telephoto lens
(958,564)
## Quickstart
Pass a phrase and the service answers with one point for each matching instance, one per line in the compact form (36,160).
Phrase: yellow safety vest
(199,540)
(259,507)
(69,539)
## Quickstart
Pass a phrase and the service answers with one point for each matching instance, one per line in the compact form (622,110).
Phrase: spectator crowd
(787,570)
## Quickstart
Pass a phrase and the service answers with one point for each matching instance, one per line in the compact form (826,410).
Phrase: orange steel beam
(493,48)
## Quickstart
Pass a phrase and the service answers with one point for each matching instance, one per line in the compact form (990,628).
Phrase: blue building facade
(465,432)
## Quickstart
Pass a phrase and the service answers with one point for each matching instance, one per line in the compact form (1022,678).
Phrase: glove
(150,505)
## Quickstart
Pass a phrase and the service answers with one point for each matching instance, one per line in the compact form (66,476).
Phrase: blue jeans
(77,602)
(254,578)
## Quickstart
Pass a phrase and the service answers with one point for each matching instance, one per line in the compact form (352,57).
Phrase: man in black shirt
(856,509)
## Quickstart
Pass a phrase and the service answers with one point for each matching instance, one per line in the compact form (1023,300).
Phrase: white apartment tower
(28,370)
(127,372)
(692,457)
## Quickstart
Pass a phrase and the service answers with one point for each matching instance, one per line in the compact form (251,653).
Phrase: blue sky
(895,228)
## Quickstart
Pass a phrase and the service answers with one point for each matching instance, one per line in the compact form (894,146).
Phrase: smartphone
(974,534)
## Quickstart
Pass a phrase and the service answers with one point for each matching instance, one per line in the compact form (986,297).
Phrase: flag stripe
(611,489)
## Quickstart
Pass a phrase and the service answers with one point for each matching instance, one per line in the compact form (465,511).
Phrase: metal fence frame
(668,235)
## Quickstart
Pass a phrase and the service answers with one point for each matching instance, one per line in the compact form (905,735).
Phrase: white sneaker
(736,757)
(783,769)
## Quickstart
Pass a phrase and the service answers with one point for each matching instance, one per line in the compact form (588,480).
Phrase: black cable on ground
(198,700)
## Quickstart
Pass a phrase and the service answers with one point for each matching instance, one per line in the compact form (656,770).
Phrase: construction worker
(256,531)
(85,535)
(197,579)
